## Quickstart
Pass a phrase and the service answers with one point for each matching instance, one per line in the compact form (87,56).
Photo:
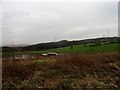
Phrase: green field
(88,49)
(75,49)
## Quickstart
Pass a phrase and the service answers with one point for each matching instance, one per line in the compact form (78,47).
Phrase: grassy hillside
(112,47)
(88,49)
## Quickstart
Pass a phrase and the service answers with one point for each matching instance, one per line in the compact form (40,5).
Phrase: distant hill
(63,43)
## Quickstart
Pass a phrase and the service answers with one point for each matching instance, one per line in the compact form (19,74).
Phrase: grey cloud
(27,23)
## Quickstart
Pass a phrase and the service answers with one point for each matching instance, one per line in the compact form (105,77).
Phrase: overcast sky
(37,22)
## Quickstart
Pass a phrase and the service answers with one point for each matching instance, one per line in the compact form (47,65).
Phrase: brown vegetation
(89,63)
(68,71)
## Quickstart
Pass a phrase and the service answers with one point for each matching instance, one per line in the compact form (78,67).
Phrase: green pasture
(112,47)
(88,49)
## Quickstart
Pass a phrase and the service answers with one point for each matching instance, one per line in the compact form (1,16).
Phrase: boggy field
(100,70)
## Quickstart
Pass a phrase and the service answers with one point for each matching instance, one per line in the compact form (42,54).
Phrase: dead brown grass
(72,71)
(17,70)
(89,63)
